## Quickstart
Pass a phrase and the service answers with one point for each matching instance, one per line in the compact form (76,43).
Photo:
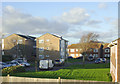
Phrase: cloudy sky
(67,19)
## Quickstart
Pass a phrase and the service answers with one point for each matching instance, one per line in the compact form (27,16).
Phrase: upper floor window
(47,40)
(95,50)
(47,48)
(41,49)
(41,41)
(72,50)
(41,56)
(47,55)
(76,50)
(107,50)
(20,41)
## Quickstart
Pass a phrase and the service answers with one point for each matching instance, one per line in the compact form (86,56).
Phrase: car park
(103,60)
(46,64)
(59,62)
(24,63)
(98,60)
(90,58)
(4,65)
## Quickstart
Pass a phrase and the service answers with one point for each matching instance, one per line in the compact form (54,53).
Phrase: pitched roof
(26,36)
(56,36)
(105,45)
(94,45)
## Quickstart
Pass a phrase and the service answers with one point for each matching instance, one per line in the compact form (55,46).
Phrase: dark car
(99,60)
(70,57)
(103,60)
(90,58)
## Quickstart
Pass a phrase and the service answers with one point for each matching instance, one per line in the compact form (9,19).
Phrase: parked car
(24,63)
(4,65)
(15,63)
(90,58)
(59,62)
(46,64)
(20,59)
(70,57)
(103,60)
(98,60)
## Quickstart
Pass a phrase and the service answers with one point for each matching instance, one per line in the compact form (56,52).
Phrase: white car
(46,64)
(26,64)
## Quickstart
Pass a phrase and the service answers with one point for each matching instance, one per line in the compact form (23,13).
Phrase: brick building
(74,50)
(115,60)
(18,45)
(49,46)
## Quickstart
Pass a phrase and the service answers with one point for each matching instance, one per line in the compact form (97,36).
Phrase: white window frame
(72,50)
(41,56)
(76,50)
(20,41)
(107,50)
(77,54)
(47,48)
(47,56)
(48,40)
(41,41)
(95,50)
(3,53)
(73,55)
(41,49)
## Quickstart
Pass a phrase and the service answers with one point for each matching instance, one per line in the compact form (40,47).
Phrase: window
(71,50)
(2,52)
(90,49)
(95,50)
(47,40)
(47,55)
(107,55)
(41,41)
(20,41)
(72,55)
(90,54)
(47,48)
(41,56)
(80,49)
(76,50)
(41,49)
(13,40)
(95,55)
(106,50)
(77,55)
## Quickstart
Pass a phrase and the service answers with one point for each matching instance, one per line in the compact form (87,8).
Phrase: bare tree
(86,43)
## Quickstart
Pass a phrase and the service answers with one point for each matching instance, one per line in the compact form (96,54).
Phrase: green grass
(74,60)
(96,72)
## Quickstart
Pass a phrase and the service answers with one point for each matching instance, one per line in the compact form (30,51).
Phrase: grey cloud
(75,16)
(15,21)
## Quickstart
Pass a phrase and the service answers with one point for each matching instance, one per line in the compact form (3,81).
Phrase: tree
(86,43)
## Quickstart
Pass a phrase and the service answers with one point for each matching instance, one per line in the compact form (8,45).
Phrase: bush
(7,58)
(13,69)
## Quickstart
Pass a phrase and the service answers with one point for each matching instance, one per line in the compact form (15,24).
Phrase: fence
(10,79)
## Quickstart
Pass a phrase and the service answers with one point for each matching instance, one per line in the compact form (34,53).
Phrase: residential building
(106,50)
(50,46)
(18,45)
(115,60)
(74,50)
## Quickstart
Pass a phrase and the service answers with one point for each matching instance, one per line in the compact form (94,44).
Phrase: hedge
(13,69)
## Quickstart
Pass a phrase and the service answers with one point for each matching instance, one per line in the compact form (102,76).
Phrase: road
(32,68)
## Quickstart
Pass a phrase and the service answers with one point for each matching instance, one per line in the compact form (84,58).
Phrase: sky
(68,19)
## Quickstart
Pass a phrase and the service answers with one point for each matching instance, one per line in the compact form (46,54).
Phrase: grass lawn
(96,72)
(74,60)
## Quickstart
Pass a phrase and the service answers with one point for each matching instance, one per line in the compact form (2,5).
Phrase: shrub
(13,69)
(7,58)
